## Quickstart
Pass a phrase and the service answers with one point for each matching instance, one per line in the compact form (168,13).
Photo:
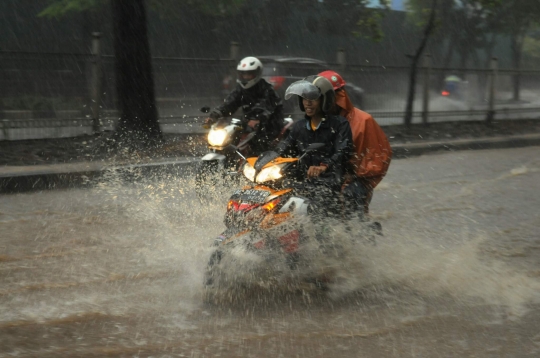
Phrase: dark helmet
(312,88)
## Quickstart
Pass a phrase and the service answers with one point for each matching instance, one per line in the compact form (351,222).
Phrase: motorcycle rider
(261,105)
(452,86)
(372,152)
(323,169)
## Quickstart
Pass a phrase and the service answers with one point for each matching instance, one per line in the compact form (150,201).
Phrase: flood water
(117,271)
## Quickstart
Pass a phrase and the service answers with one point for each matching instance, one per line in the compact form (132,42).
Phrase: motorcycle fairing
(272,193)
(279,160)
(288,242)
(296,205)
(282,239)
(251,195)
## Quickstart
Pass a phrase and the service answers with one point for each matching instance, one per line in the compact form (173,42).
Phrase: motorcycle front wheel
(212,277)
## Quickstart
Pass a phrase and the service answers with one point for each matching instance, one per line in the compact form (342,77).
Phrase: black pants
(357,196)
(323,193)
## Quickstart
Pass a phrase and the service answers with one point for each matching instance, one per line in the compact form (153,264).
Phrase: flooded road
(117,271)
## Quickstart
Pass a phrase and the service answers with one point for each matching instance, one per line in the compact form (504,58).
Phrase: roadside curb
(70,175)
(76,175)
(401,151)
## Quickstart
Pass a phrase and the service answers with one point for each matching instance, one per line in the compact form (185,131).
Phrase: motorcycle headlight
(217,137)
(270,173)
(249,172)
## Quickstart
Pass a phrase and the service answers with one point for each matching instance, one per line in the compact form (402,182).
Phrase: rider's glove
(254,124)
(212,118)
(208,122)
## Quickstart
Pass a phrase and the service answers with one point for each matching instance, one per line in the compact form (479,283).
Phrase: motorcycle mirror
(311,148)
(249,137)
(239,154)
(205,109)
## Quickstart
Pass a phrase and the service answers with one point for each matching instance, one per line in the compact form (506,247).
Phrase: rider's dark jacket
(259,102)
(334,131)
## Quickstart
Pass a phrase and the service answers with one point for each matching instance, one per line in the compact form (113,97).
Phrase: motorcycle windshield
(265,158)
(303,89)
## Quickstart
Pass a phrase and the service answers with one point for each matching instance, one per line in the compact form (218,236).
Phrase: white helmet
(249,72)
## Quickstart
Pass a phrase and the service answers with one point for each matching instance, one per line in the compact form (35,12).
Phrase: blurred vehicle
(453,87)
(281,71)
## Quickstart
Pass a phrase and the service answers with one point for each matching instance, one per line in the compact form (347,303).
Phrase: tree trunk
(517,47)
(412,80)
(138,124)
(463,61)
(483,77)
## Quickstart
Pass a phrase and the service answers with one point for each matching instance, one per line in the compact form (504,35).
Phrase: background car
(282,71)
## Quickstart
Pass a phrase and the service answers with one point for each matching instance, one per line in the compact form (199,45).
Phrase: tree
(531,50)
(369,20)
(519,17)
(138,124)
(59,8)
(345,17)
(428,30)
(465,27)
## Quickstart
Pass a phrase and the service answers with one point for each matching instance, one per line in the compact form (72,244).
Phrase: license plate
(250,196)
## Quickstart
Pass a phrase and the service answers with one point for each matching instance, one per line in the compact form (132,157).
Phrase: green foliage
(213,8)
(532,47)
(369,22)
(216,7)
(165,8)
(59,8)
(336,16)
(369,26)
(345,17)
(531,51)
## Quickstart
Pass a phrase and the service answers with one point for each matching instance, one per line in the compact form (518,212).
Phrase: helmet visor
(303,89)
(246,76)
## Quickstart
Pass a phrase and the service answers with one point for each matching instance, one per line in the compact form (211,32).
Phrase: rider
(372,152)
(323,168)
(261,105)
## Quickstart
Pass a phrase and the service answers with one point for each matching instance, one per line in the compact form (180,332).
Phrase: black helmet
(311,88)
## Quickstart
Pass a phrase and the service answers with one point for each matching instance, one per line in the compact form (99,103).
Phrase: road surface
(116,271)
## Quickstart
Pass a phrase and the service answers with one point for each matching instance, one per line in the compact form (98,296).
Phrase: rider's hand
(253,123)
(315,171)
(208,122)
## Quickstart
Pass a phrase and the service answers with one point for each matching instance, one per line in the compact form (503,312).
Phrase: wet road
(116,271)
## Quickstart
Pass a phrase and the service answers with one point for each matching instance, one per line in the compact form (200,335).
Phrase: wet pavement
(116,270)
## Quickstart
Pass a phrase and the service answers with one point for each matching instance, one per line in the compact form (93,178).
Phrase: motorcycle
(453,87)
(268,221)
(227,139)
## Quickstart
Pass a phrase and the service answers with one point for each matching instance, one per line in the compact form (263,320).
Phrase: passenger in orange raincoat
(372,151)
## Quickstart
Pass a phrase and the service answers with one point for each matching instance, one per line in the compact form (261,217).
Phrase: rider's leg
(356,197)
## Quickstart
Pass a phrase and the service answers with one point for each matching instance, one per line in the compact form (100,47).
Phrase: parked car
(282,71)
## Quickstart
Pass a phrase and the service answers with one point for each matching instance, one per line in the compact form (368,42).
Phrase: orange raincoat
(372,149)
